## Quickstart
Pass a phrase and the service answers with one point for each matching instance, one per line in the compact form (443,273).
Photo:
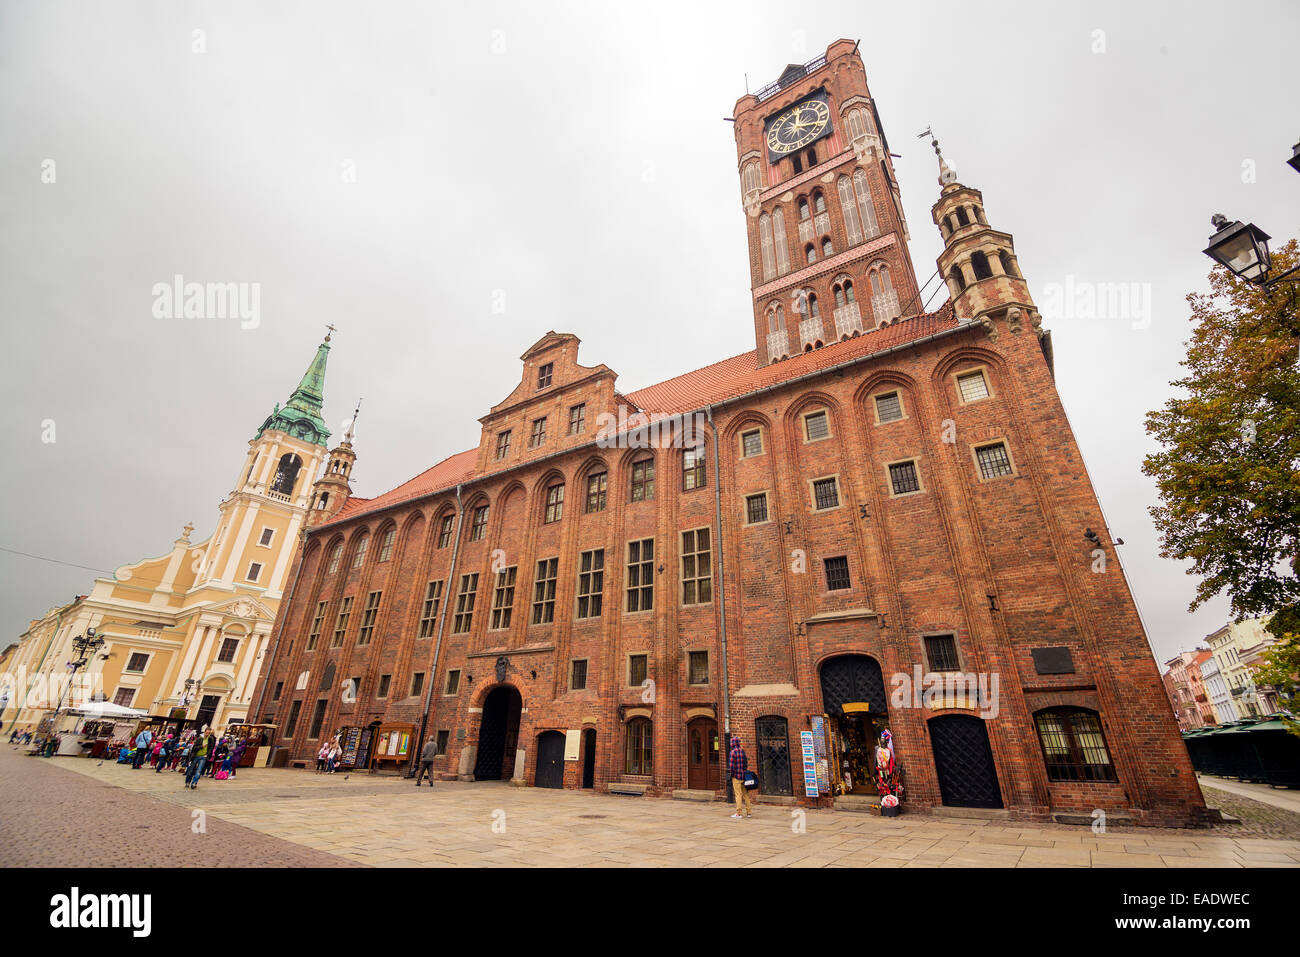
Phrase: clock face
(798,126)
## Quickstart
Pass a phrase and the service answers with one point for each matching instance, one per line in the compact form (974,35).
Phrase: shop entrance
(589,758)
(702,754)
(853,697)
(498,734)
(963,762)
(550,760)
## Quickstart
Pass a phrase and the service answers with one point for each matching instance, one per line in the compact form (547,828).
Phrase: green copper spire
(301,416)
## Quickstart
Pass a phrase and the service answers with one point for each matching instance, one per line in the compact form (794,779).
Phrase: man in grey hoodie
(426,761)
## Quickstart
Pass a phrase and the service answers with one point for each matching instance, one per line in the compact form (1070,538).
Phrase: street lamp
(1294,161)
(83,648)
(1243,249)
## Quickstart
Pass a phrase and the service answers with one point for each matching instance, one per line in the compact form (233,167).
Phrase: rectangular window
(341,623)
(267,535)
(816,426)
(902,478)
(972,386)
(643,480)
(539,433)
(453,681)
(544,591)
(837,573)
(755,508)
(596,488)
(578,419)
(554,504)
(591,583)
(386,545)
(359,558)
(429,611)
(751,443)
(465,604)
(292,723)
(444,533)
(254,571)
(442,741)
(637,666)
(124,696)
(826,494)
(317,625)
(334,558)
(228,648)
(941,653)
(317,718)
(368,616)
(993,460)
(698,673)
(503,598)
(697,567)
(578,675)
(693,468)
(544,375)
(478,527)
(279,690)
(889,408)
(384,682)
(503,444)
(417,683)
(137,661)
(640,575)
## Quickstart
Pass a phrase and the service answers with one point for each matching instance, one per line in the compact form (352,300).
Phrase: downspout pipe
(437,645)
(722,578)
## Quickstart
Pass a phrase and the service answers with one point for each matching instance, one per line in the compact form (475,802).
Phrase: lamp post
(83,648)
(1242,248)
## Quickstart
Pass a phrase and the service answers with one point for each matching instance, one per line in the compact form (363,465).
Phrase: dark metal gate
(853,679)
(963,762)
(773,740)
(550,760)
(500,712)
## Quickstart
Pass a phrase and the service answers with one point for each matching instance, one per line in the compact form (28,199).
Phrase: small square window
(941,653)
(453,681)
(384,682)
(993,460)
(751,443)
(903,478)
(756,508)
(578,675)
(826,494)
(267,535)
(889,408)
(636,670)
(699,668)
(837,574)
(544,375)
(972,386)
(816,426)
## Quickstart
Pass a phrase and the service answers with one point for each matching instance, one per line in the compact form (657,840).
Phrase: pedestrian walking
(204,745)
(141,745)
(426,761)
(738,771)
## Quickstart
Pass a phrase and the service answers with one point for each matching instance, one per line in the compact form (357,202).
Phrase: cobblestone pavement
(51,818)
(1257,818)
(386,821)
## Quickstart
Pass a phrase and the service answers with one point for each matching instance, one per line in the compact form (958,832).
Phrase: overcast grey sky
(571,161)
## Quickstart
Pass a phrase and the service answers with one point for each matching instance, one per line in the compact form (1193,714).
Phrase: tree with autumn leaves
(1228,469)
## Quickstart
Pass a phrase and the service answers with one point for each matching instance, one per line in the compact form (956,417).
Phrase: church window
(866,208)
(359,557)
(765,246)
(810,253)
(814,310)
(286,474)
(819,202)
(849,208)
(779,244)
(803,208)
(827,248)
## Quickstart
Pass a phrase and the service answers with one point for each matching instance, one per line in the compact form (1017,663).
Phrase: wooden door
(702,755)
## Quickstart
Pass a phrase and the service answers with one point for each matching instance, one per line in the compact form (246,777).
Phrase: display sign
(351,739)
(809,764)
(572,744)
(819,753)
(363,749)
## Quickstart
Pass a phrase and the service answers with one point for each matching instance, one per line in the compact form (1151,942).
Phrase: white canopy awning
(106,709)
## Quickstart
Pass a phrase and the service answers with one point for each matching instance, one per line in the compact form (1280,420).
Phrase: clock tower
(827,237)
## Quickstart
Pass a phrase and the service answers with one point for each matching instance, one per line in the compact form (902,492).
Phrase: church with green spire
(301,416)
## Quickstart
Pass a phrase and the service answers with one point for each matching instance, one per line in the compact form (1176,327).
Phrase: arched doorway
(498,733)
(589,758)
(702,754)
(550,760)
(963,761)
(853,697)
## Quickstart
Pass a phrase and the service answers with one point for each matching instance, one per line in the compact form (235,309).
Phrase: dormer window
(544,375)
(503,444)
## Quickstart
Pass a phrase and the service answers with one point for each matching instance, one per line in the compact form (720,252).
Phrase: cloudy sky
(447,181)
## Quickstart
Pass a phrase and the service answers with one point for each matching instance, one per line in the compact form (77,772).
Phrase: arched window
(775,319)
(810,253)
(749,177)
(886,284)
(765,245)
(324,501)
(827,248)
(814,311)
(819,202)
(803,207)
(948,221)
(980,265)
(866,208)
(639,751)
(359,557)
(779,242)
(849,209)
(979,215)
(839,295)
(335,556)
(286,474)
(1074,747)
(1008,266)
(796,163)
(956,276)
(848,291)
(962,218)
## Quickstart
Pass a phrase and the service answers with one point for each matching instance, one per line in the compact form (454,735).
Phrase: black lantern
(1242,249)
(1294,161)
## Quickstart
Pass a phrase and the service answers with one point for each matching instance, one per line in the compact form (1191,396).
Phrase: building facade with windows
(875,519)
(186,633)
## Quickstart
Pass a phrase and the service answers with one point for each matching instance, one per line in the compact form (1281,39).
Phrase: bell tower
(827,235)
(333,488)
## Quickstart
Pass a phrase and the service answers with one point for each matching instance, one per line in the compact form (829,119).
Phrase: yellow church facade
(189,630)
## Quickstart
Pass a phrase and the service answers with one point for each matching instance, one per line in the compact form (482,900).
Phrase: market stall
(393,744)
(90,729)
(257,740)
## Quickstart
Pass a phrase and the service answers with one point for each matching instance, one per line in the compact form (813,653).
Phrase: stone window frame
(708,668)
(902,406)
(628,670)
(131,657)
(449,688)
(803,424)
(958,374)
(916,468)
(586,673)
(925,651)
(263,541)
(503,445)
(254,572)
(812,493)
(986,443)
(383,686)
(744,508)
(762,442)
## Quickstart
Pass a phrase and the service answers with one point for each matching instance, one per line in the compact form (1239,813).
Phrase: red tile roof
(710,385)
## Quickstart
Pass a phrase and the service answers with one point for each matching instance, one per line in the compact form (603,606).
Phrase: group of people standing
(195,752)
(329,757)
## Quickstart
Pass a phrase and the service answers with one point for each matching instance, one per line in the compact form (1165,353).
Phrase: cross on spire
(330,327)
